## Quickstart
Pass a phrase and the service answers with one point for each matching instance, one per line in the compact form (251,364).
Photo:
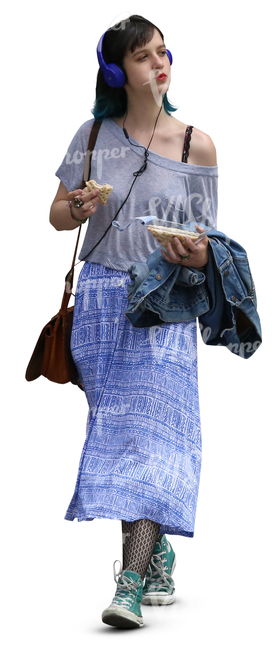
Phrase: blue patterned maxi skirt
(142,453)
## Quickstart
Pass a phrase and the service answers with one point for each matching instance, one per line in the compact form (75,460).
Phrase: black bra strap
(186,146)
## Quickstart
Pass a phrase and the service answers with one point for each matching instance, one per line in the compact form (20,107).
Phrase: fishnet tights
(139,539)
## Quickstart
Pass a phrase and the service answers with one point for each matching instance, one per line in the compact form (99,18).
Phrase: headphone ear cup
(169,56)
(113,75)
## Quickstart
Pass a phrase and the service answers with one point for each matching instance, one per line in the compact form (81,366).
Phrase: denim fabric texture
(164,292)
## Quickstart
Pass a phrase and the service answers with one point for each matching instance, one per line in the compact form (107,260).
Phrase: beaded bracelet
(69,205)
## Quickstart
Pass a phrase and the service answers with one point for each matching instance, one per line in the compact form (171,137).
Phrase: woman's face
(145,66)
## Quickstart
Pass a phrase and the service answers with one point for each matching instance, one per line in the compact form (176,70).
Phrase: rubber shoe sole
(120,617)
(158,598)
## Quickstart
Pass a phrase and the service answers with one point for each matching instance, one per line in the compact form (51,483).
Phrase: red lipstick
(162,76)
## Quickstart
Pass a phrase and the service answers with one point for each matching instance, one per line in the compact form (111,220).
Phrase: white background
(57,576)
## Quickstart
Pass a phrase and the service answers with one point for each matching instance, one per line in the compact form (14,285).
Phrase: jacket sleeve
(232,319)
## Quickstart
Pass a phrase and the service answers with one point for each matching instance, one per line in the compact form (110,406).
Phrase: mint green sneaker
(159,587)
(125,609)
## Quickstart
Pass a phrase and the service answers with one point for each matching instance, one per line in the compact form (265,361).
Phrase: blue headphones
(113,74)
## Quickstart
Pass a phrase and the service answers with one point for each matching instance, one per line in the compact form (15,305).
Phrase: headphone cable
(136,174)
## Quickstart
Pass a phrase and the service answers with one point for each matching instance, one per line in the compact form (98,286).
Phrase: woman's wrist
(60,216)
(69,205)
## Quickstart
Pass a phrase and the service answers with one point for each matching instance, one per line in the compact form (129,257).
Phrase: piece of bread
(104,193)
(164,235)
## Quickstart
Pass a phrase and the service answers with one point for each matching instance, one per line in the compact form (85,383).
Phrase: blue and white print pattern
(142,453)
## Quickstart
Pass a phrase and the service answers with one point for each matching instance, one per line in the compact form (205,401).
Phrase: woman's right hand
(90,200)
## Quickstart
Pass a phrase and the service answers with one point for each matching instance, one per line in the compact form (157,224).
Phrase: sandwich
(105,190)
(164,235)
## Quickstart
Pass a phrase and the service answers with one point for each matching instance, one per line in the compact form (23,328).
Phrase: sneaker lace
(159,575)
(126,588)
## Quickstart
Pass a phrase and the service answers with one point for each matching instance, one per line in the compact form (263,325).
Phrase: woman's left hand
(196,254)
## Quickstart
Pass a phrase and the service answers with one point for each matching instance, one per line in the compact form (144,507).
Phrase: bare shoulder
(202,150)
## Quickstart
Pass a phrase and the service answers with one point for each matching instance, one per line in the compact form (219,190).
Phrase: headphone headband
(113,74)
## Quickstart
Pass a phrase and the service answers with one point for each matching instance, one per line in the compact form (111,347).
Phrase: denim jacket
(222,296)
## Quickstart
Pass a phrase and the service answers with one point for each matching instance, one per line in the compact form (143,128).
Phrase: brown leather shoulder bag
(52,356)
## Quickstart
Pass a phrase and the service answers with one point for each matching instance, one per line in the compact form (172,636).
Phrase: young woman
(142,454)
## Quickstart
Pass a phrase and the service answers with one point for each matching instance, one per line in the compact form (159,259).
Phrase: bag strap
(86,175)
(88,159)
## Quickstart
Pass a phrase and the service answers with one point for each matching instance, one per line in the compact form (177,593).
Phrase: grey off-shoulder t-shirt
(168,189)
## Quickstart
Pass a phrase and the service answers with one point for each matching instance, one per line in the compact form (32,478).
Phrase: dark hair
(134,32)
